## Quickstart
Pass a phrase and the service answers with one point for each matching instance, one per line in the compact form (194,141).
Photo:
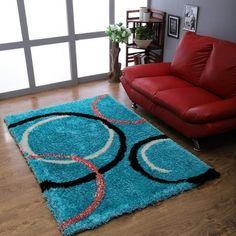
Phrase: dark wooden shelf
(152,46)
(154,52)
(152,20)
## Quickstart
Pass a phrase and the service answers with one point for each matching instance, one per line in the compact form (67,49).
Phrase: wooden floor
(207,210)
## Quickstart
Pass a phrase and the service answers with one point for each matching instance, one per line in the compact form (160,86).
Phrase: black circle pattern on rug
(45,185)
(134,163)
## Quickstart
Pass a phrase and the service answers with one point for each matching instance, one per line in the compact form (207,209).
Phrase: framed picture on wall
(173,26)
(190,18)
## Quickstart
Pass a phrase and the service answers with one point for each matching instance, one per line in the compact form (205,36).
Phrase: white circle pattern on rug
(24,143)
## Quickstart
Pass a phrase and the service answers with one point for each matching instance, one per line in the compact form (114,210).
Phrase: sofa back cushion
(191,56)
(219,75)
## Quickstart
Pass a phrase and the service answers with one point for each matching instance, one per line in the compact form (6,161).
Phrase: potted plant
(117,34)
(143,36)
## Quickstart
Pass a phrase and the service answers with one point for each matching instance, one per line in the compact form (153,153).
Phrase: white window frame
(71,38)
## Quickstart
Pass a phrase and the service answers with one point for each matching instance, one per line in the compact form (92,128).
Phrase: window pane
(9,22)
(46,18)
(121,6)
(13,72)
(92,56)
(51,63)
(91,15)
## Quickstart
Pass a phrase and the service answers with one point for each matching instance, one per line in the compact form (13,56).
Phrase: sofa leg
(196,145)
(134,105)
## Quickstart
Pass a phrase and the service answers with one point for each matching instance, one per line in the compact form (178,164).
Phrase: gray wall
(216,18)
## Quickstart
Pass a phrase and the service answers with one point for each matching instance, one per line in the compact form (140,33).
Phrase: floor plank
(207,210)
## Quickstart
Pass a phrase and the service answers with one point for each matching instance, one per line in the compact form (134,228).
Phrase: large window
(49,43)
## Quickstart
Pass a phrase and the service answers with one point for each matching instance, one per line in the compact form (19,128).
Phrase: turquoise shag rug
(95,160)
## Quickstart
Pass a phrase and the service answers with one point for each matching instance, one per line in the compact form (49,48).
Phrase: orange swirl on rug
(100,115)
(100,183)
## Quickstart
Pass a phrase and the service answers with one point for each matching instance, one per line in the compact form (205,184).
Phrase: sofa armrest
(146,70)
(220,110)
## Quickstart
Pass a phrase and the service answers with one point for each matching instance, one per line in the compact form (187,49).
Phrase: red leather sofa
(195,93)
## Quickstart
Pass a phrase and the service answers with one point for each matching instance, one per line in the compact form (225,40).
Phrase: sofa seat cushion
(219,75)
(149,86)
(191,56)
(181,100)
(214,111)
